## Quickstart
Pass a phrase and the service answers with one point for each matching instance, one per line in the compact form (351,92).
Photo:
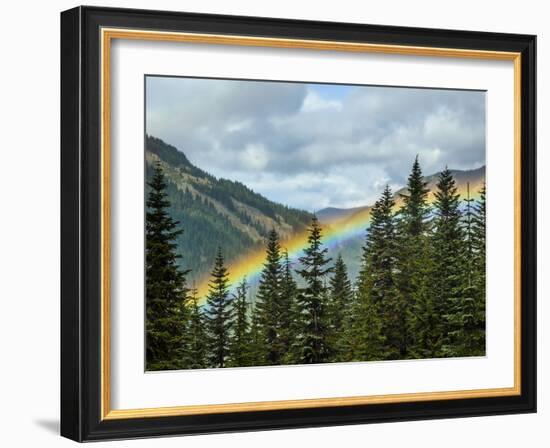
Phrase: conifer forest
(418,290)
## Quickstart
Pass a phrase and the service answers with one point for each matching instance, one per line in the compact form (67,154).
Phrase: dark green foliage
(256,348)
(465,337)
(420,291)
(448,249)
(378,298)
(312,341)
(339,305)
(366,333)
(268,305)
(226,191)
(479,254)
(239,343)
(287,306)
(412,273)
(166,283)
(195,337)
(415,211)
(347,342)
(467,311)
(219,316)
(423,330)
(340,293)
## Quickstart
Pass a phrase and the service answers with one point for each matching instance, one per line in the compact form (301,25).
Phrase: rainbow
(335,233)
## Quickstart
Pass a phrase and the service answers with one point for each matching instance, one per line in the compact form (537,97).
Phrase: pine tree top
(219,283)
(415,209)
(447,198)
(314,257)
(273,251)
(340,283)
(287,280)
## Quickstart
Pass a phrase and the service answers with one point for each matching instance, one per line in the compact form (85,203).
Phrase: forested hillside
(214,210)
(419,293)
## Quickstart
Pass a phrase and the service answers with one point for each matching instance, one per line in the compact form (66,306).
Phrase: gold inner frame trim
(107,35)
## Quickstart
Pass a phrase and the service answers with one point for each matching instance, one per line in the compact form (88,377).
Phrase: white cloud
(313,102)
(239,125)
(295,145)
(254,156)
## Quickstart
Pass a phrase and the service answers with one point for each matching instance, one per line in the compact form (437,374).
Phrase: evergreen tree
(378,298)
(467,312)
(268,304)
(165,282)
(195,338)
(339,305)
(368,342)
(478,244)
(288,289)
(350,338)
(423,325)
(312,342)
(219,313)
(256,347)
(340,293)
(466,315)
(448,246)
(239,341)
(413,302)
(415,210)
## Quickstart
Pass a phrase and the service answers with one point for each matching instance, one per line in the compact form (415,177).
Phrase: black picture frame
(81,224)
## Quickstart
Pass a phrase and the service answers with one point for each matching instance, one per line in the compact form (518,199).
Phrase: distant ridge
(330,213)
(475,178)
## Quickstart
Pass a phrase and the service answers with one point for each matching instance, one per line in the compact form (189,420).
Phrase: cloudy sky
(313,146)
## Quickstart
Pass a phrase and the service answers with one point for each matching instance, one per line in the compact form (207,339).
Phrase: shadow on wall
(51,426)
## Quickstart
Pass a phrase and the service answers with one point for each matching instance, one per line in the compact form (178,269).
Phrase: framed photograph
(273,223)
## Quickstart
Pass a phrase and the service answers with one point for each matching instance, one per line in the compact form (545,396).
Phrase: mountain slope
(217,212)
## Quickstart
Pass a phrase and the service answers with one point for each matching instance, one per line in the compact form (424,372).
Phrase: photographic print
(294,223)
(260,201)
